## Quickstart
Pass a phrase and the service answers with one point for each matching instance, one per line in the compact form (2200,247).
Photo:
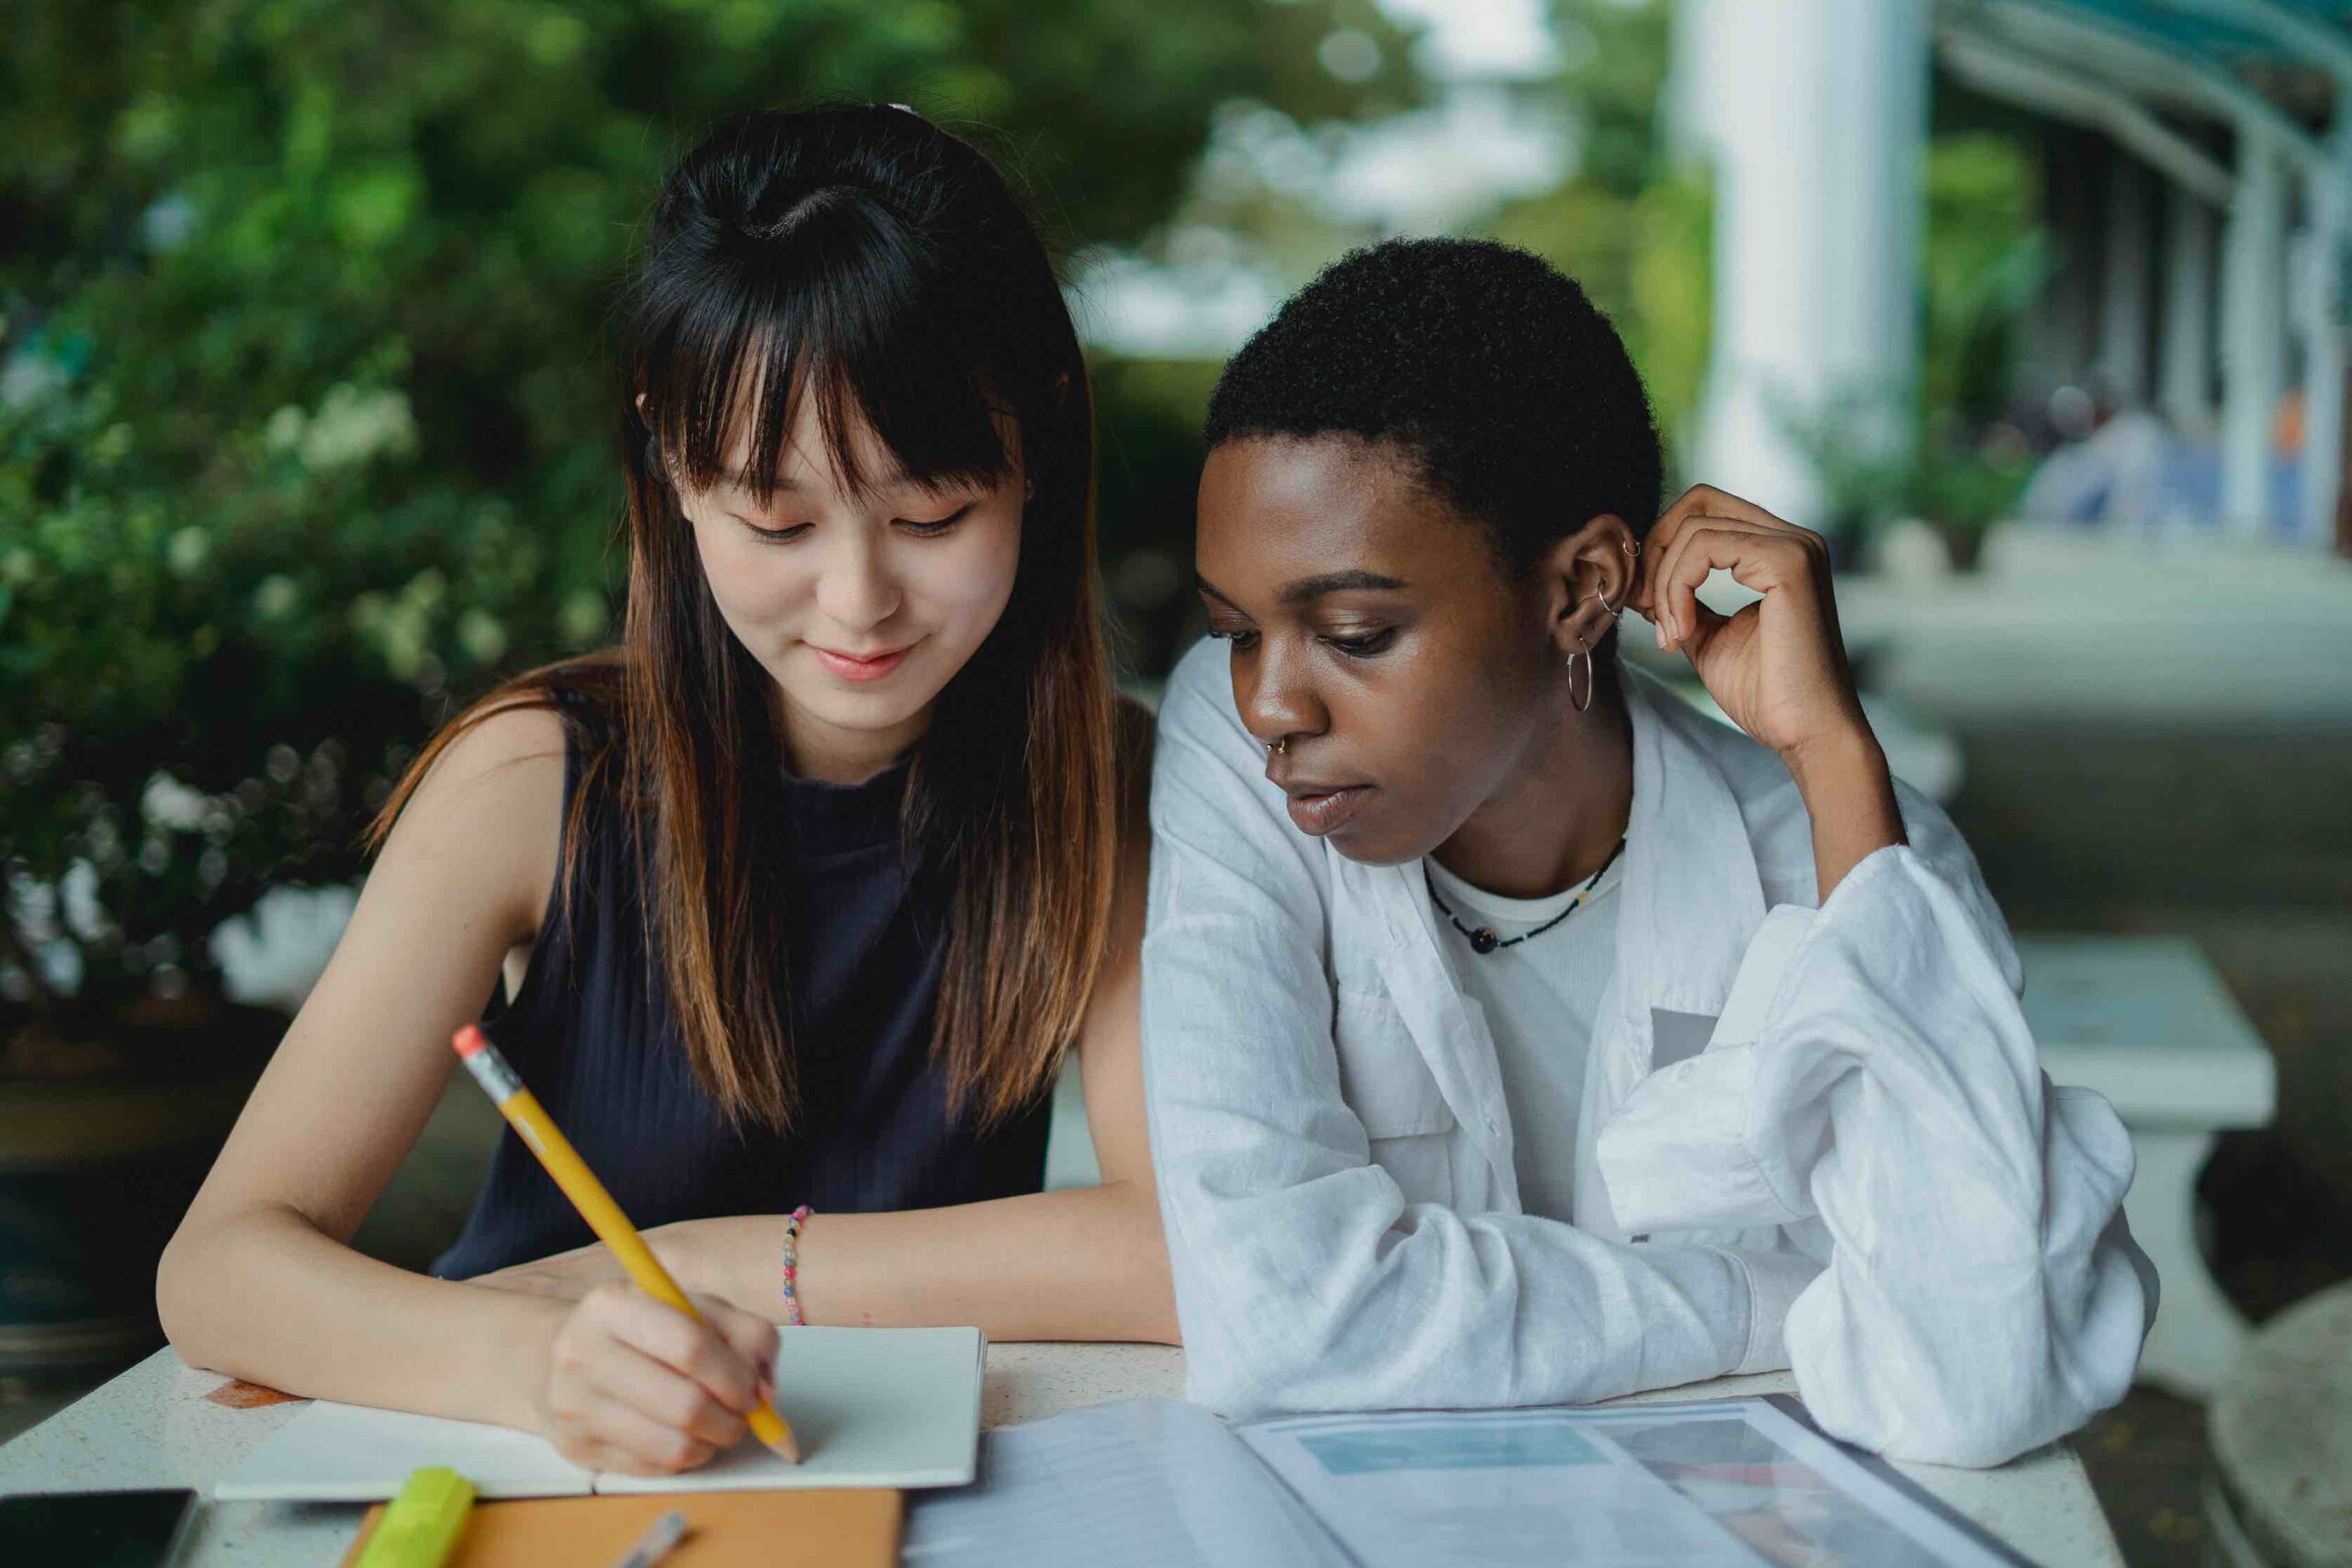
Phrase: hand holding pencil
(671,1422)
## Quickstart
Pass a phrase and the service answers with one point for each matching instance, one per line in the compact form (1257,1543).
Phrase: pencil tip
(785,1448)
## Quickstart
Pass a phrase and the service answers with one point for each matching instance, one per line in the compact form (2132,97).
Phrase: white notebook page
(870,1406)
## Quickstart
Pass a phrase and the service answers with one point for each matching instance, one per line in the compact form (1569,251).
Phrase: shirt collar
(1692,895)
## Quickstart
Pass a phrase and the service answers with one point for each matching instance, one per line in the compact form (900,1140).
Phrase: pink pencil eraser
(470,1040)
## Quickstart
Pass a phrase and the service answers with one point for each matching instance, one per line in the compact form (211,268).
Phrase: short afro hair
(1488,365)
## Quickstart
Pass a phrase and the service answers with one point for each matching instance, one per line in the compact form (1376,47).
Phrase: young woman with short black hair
(1513,1033)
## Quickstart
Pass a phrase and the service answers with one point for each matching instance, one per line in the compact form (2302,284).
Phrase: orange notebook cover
(832,1528)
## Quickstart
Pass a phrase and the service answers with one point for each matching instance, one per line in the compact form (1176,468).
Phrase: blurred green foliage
(304,410)
(1956,465)
(1635,230)
(1987,258)
(1150,467)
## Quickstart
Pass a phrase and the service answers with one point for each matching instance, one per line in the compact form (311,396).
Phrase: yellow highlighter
(421,1527)
(537,1130)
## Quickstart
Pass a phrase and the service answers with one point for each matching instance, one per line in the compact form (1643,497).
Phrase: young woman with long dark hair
(798,897)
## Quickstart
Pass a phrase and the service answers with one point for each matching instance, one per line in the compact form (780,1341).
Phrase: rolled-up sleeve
(1304,1281)
(1982,1293)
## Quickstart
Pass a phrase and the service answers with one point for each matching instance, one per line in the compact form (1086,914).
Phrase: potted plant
(1858,444)
(1960,485)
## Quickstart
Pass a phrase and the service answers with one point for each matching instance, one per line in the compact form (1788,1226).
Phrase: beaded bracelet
(792,1224)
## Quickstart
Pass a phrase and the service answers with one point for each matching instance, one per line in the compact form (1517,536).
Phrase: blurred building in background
(2195,166)
(2127,217)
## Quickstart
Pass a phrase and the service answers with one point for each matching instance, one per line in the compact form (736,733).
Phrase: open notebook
(896,1407)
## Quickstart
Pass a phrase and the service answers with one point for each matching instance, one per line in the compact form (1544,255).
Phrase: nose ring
(1278,747)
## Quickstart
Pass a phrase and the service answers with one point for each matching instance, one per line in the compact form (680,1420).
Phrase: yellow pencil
(531,1123)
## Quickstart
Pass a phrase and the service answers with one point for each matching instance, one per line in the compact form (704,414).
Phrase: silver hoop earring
(1614,610)
(1584,654)
(1632,546)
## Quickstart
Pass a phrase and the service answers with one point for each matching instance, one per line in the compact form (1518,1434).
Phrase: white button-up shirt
(1814,1139)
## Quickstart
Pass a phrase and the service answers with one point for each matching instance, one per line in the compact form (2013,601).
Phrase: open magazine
(1154,1482)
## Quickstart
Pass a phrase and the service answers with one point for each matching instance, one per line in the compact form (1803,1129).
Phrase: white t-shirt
(1540,998)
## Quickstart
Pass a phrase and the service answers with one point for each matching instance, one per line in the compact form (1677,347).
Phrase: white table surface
(152,1427)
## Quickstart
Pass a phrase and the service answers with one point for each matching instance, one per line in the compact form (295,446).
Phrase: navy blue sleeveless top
(592,1034)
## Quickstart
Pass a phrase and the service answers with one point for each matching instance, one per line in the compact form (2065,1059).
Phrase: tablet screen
(93,1529)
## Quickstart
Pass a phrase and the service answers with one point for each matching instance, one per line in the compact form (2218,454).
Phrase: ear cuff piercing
(1633,548)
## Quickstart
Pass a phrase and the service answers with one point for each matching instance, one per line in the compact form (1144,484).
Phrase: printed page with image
(1164,1485)
(1720,1481)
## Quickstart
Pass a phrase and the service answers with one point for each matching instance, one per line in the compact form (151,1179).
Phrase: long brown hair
(870,260)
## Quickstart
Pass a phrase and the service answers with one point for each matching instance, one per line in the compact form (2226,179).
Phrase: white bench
(2145,1021)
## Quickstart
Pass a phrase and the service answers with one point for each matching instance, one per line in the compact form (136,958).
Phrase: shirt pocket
(1390,1089)
(1734,1238)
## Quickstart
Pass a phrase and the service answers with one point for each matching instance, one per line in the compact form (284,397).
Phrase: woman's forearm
(1849,794)
(266,1296)
(1083,1263)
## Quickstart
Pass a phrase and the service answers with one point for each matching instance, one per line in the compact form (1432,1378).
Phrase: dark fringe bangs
(849,307)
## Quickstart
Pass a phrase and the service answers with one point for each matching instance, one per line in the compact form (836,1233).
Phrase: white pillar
(2184,380)
(2321,308)
(2123,303)
(1816,231)
(1692,82)
(2253,278)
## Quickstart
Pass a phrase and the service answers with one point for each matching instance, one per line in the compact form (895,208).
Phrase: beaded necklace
(1483,938)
